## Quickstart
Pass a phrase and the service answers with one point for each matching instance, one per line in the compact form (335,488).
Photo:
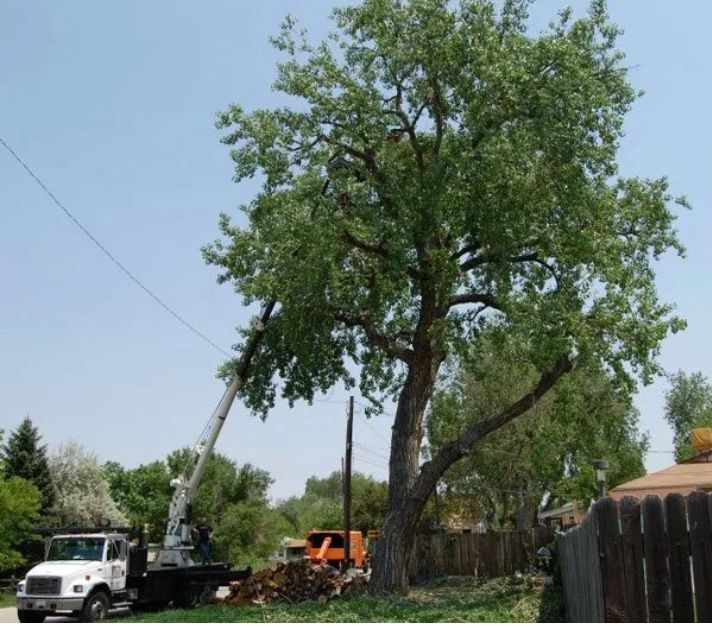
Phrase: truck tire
(31,617)
(195,596)
(95,608)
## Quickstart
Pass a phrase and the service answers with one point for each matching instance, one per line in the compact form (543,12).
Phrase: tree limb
(375,249)
(473,297)
(388,345)
(487,258)
(458,448)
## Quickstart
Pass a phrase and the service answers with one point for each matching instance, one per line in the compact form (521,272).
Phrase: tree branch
(473,297)
(388,345)
(456,449)
(487,258)
(375,249)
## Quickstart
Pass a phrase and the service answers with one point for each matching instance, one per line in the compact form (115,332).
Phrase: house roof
(557,512)
(690,476)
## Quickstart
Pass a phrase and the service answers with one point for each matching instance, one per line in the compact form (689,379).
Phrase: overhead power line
(106,252)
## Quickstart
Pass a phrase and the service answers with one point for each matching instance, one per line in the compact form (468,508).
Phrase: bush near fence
(481,555)
(640,561)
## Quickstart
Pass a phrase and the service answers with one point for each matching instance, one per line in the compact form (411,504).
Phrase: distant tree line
(71,487)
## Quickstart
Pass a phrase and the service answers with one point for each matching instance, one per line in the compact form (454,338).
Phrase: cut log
(296,582)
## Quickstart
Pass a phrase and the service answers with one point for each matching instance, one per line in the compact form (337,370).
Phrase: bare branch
(473,297)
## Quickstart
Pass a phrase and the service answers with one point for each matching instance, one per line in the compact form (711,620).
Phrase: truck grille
(43,586)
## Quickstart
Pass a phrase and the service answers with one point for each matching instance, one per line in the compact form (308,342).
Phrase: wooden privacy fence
(481,555)
(640,561)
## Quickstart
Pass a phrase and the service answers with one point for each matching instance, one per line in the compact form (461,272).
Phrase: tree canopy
(439,171)
(688,404)
(321,506)
(20,502)
(24,457)
(83,495)
(144,493)
(544,457)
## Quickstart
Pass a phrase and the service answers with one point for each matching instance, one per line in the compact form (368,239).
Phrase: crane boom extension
(176,550)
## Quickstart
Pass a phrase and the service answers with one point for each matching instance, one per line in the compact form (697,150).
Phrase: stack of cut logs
(296,582)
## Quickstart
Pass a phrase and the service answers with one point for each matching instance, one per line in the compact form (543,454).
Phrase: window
(76,549)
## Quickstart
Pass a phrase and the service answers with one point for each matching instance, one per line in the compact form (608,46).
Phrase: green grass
(7,599)
(447,599)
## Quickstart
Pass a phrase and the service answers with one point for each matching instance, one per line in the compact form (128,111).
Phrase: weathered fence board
(632,545)
(482,555)
(655,551)
(611,553)
(640,561)
(683,609)
(700,517)
(581,573)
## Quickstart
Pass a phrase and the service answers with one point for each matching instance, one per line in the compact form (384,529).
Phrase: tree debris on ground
(296,582)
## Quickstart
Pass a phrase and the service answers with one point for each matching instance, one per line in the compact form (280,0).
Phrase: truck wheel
(31,617)
(95,608)
(195,597)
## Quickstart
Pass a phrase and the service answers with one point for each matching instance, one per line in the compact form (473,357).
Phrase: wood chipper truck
(88,572)
(327,546)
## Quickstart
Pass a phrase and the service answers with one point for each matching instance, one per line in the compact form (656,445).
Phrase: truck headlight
(78,588)
(21,587)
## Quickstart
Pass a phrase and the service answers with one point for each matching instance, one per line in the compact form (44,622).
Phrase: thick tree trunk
(405,502)
(409,486)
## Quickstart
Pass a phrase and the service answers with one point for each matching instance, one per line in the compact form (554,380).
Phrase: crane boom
(176,544)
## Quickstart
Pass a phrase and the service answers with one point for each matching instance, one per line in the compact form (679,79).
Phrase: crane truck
(87,572)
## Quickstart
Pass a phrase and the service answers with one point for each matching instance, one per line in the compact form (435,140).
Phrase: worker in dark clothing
(205,540)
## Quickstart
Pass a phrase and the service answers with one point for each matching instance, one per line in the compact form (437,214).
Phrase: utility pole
(347,486)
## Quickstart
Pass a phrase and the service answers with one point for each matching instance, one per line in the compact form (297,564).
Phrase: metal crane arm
(177,536)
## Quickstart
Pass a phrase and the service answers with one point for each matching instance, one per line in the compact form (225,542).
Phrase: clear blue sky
(113,105)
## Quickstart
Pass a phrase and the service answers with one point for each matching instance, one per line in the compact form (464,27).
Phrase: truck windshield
(76,549)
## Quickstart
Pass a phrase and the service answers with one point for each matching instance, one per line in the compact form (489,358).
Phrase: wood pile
(296,582)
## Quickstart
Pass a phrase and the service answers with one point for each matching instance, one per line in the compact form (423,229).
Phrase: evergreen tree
(24,457)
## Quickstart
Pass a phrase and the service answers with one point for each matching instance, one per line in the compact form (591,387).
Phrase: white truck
(88,572)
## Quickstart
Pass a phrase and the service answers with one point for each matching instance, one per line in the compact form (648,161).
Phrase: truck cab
(82,575)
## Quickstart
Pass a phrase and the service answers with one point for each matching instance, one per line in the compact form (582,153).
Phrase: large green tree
(688,404)
(438,170)
(20,502)
(321,506)
(144,493)
(546,455)
(24,457)
(83,496)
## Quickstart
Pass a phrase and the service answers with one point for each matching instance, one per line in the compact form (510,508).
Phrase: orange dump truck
(327,546)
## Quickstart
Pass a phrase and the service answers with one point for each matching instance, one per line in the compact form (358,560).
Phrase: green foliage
(249,532)
(451,600)
(20,503)
(7,599)
(548,451)
(322,507)
(24,457)
(444,171)
(83,496)
(144,493)
(688,404)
